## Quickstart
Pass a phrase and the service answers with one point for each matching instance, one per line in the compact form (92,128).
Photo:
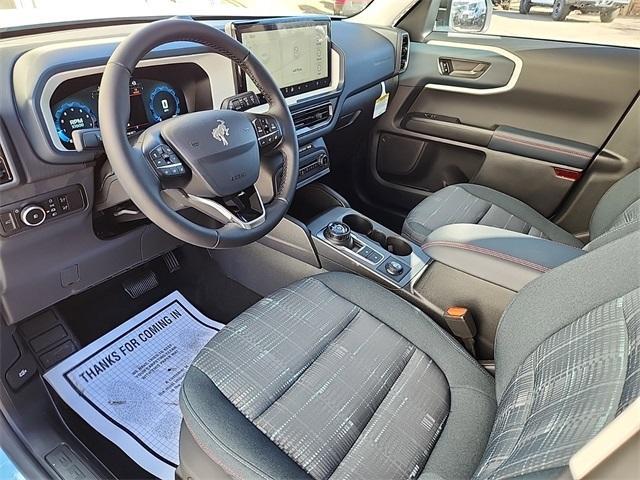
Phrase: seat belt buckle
(462,325)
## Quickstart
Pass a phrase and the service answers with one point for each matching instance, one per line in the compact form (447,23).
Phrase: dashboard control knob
(339,233)
(323,160)
(33,215)
(394,268)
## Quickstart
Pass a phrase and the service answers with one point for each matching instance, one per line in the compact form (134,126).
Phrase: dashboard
(56,195)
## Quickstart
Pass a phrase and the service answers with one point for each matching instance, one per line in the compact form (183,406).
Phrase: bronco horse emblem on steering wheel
(221,132)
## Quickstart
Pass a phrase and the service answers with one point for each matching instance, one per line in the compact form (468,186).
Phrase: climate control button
(33,215)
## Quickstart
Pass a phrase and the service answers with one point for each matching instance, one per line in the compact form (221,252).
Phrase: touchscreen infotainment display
(296,54)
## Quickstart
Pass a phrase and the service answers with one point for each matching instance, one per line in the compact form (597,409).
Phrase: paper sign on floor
(126,384)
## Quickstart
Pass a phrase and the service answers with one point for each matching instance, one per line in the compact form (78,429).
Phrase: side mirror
(470,15)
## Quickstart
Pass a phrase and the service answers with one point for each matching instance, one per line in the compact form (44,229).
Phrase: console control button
(8,222)
(63,201)
(375,257)
(338,233)
(365,252)
(33,215)
(38,211)
(394,268)
(21,371)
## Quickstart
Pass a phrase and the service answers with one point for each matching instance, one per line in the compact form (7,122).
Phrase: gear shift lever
(339,233)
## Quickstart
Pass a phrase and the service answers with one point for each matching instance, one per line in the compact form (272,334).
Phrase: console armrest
(499,256)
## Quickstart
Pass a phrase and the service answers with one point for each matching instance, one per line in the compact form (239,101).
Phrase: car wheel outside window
(608,16)
(525,6)
(560,10)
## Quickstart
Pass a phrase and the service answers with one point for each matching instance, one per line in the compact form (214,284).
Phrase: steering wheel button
(156,153)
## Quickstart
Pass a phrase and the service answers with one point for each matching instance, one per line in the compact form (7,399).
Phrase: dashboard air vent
(5,173)
(312,116)
(404,51)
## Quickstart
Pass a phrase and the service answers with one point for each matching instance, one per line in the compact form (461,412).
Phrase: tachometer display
(72,116)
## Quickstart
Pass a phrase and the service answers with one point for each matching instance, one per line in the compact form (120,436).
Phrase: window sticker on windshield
(381,103)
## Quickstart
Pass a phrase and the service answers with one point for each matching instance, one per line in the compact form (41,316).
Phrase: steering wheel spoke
(244,209)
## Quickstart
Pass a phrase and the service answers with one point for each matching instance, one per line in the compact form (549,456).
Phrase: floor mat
(126,384)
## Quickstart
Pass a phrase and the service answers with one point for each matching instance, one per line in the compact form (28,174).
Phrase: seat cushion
(468,203)
(336,377)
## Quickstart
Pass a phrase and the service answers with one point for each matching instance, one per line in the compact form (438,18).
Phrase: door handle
(457,67)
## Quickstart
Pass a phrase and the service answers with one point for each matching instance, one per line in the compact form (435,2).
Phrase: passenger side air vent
(5,172)
(313,116)
(404,51)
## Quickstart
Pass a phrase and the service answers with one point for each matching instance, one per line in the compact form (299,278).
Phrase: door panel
(574,91)
(529,125)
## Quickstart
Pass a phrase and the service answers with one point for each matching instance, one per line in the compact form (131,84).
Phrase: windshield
(22,13)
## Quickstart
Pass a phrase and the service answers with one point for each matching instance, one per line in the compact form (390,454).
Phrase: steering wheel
(207,160)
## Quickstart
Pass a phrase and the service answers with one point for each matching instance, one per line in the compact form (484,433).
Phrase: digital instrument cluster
(151,102)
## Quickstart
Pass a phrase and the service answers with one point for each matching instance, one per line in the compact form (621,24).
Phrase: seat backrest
(567,361)
(617,213)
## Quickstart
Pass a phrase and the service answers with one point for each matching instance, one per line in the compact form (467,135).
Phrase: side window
(607,22)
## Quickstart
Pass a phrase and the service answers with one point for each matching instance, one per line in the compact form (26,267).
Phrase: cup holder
(361,225)
(398,246)
(358,224)
(379,237)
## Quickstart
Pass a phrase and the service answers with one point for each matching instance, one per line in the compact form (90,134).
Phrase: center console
(346,240)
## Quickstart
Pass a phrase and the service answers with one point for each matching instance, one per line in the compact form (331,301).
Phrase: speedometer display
(164,103)
(152,101)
